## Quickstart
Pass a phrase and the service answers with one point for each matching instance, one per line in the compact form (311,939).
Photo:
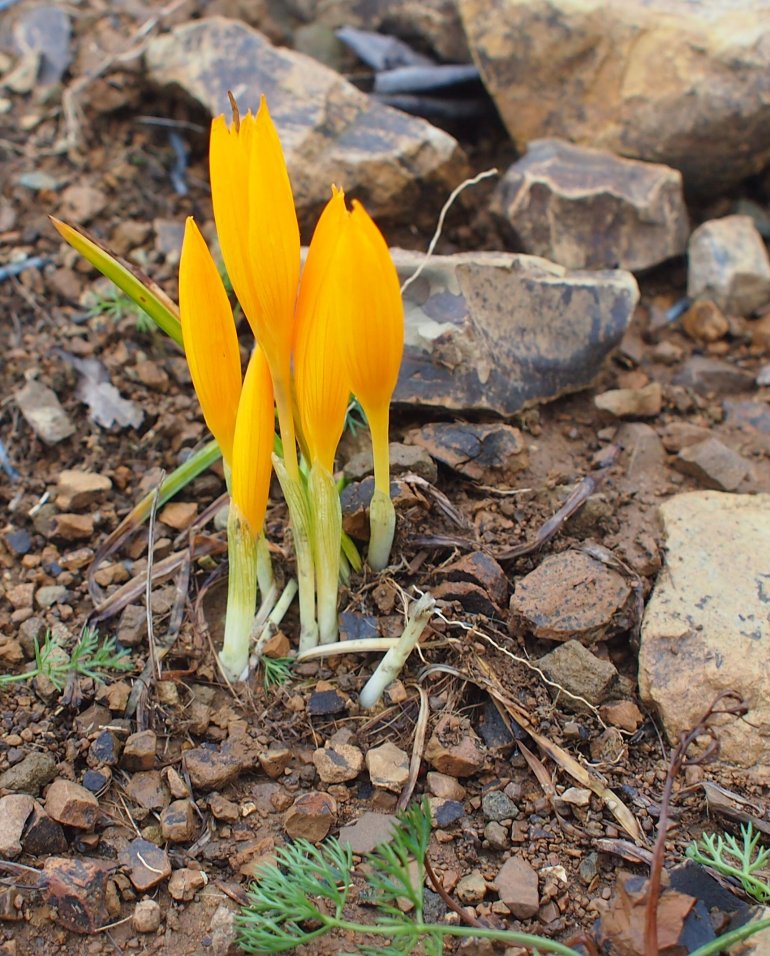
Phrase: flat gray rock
(43,412)
(706,628)
(499,332)
(589,209)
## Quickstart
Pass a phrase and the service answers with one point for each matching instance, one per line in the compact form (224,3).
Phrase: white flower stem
(390,666)
(382,527)
(265,577)
(241,595)
(301,526)
(324,502)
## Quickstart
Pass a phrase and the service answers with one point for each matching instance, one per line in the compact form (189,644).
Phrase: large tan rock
(681,83)
(706,628)
(331,132)
(498,332)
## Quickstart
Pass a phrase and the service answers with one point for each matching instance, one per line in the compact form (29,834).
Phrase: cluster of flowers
(335,330)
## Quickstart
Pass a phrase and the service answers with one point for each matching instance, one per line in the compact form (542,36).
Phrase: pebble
(713,464)
(132,626)
(15,808)
(275,760)
(223,809)
(454,748)
(704,321)
(444,813)
(76,490)
(442,785)
(481,569)
(95,780)
(139,751)
(338,763)
(19,541)
(178,515)
(43,836)
(185,883)
(105,750)
(517,887)
(311,816)
(146,789)
(326,703)
(43,412)
(495,805)
(471,888)
(576,796)
(388,767)
(92,720)
(575,669)
(178,822)
(645,402)
(76,889)
(481,452)
(588,869)
(146,917)
(147,864)
(81,203)
(51,594)
(729,264)
(623,714)
(367,832)
(73,527)
(712,376)
(71,805)
(496,835)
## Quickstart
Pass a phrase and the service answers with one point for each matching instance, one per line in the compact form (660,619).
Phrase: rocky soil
(581,454)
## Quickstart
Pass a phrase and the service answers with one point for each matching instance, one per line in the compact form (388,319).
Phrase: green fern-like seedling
(744,860)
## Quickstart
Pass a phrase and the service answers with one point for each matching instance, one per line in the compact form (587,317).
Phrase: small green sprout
(744,860)
(276,671)
(115,305)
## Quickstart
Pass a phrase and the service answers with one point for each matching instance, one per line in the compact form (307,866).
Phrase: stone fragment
(42,835)
(646,454)
(472,598)
(146,789)
(704,321)
(642,78)
(482,569)
(178,514)
(708,618)
(81,203)
(326,703)
(643,402)
(76,490)
(367,832)
(147,864)
(338,762)
(589,209)
(708,376)
(579,672)
(76,890)
(30,775)
(212,768)
(388,766)
(132,626)
(444,786)
(486,453)
(146,917)
(185,883)
(178,822)
(275,760)
(73,527)
(445,813)
(15,808)
(713,464)
(729,264)
(517,887)
(311,816)
(71,805)
(223,809)
(43,412)
(139,751)
(572,595)
(759,329)
(330,131)
(622,713)
(403,459)
(499,332)
(92,720)
(496,835)
(471,888)
(105,750)
(454,748)
(51,594)
(497,806)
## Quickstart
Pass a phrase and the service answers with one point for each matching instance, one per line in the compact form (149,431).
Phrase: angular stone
(482,569)
(445,813)
(444,786)
(705,322)
(729,264)
(499,332)
(146,789)
(643,78)
(77,892)
(30,775)
(42,835)
(132,626)
(105,750)
(223,809)
(178,822)
(139,751)
(589,209)
(73,527)
(178,514)
(146,918)
(275,760)
(71,805)
(338,762)
(43,412)
(575,669)
(147,864)
(311,816)
(454,748)
(330,131)
(185,883)
(404,459)
(388,766)
(643,402)
(212,769)
(80,489)
(708,376)
(624,714)
(367,832)
(572,596)
(713,464)
(326,703)
(472,598)
(471,888)
(517,887)
(14,811)
(81,203)
(497,806)
(485,453)
(705,628)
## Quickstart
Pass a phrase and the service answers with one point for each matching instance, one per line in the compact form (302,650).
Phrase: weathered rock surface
(572,595)
(589,209)
(147,864)
(500,332)
(311,816)
(709,616)
(14,811)
(388,766)
(454,748)
(729,264)
(71,805)
(371,829)
(331,132)
(212,769)
(30,775)
(713,464)
(652,79)
(77,889)
(146,918)
(517,887)
(575,669)
(80,489)
(645,402)
(43,412)
(481,452)
(338,762)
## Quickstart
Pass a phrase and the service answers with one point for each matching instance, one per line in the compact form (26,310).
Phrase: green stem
(241,595)
(327,530)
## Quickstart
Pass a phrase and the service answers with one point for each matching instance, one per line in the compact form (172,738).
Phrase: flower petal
(253,443)
(210,339)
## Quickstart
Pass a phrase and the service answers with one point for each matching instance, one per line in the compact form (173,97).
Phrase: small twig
(465,917)
(418,745)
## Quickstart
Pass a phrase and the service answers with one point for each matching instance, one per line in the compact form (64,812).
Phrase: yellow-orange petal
(372,332)
(321,386)
(253,443)
(210,339)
